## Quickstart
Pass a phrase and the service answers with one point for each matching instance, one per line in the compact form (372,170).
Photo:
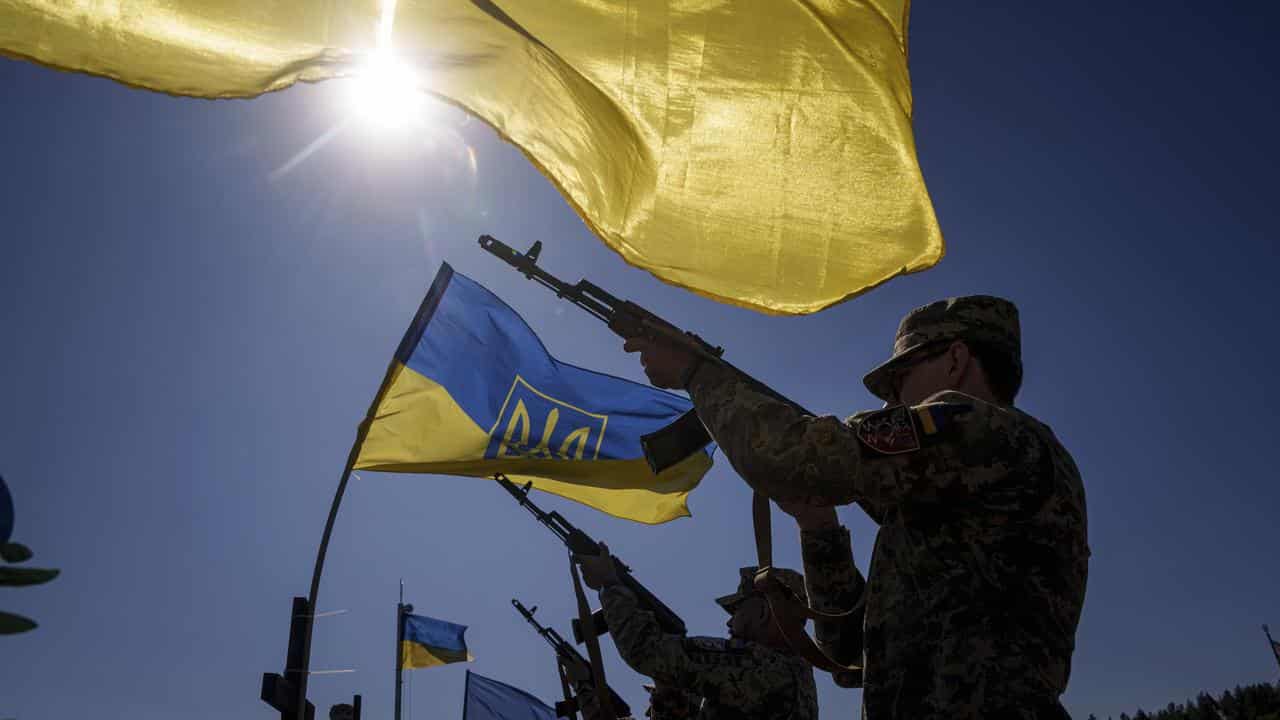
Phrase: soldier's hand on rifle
(598,571)
(810,517)
(666,365)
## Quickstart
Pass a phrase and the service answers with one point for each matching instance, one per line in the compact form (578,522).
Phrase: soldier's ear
(766,613)
(959,358)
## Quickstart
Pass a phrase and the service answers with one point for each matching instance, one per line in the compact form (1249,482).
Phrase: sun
(385,94)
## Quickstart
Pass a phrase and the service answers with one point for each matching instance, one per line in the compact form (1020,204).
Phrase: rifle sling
(788,613)
(762,524)
(593,647)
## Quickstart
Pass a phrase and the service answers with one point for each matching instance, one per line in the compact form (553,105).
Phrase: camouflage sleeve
(723,671)
(834,585)
(968,445)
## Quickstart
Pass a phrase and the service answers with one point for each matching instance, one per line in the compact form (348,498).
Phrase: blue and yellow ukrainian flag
(472,391)
(427,642)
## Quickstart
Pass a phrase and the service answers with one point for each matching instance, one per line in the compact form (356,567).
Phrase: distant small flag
(428,642)
(486,699)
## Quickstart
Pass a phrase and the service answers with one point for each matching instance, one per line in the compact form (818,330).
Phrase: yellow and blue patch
(427,642)
(472,391)
(929,418)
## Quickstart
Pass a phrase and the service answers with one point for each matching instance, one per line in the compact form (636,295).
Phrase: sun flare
(385,92)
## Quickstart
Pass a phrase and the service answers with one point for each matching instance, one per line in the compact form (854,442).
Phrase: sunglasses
(922,356)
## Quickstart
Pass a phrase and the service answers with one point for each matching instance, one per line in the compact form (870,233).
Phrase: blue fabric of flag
(433,633)
(487,699)
(473,391)
(470,322)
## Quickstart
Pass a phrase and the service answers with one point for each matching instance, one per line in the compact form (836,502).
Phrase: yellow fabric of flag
(759,153)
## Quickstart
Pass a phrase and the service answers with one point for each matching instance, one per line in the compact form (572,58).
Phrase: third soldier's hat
(793,580)
(982,319)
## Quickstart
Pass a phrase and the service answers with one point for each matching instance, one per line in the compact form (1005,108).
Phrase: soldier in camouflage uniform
(978,575)
(752,675)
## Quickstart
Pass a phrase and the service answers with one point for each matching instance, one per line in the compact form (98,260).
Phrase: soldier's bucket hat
(793,580)
(982,319)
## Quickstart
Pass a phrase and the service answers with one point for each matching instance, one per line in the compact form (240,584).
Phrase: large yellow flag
(759,152)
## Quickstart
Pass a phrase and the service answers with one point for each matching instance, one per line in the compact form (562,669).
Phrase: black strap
(789,613)
(593,646)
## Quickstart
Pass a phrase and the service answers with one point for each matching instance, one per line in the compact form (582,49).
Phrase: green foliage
(12,552)
(15,552)
(17,577)
(11,624)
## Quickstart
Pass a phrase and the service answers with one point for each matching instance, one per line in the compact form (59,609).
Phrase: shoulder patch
(937,417)
(889,431)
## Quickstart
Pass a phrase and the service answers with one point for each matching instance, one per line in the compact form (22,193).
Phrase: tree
(1254,702)
(16,553)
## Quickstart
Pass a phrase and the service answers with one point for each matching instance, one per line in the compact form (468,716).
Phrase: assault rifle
(685,436)
(581,543)
(576,669)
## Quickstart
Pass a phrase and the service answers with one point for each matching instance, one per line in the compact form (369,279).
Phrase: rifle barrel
(553,521)
(599,303)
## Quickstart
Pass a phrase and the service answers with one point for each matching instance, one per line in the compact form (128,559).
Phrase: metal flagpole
(401,609)
(318,570)
(305,669)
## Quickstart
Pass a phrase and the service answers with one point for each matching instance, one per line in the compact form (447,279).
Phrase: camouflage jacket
(978,575)
(735,678)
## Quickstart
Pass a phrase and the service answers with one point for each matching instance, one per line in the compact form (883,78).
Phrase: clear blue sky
(189,344)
